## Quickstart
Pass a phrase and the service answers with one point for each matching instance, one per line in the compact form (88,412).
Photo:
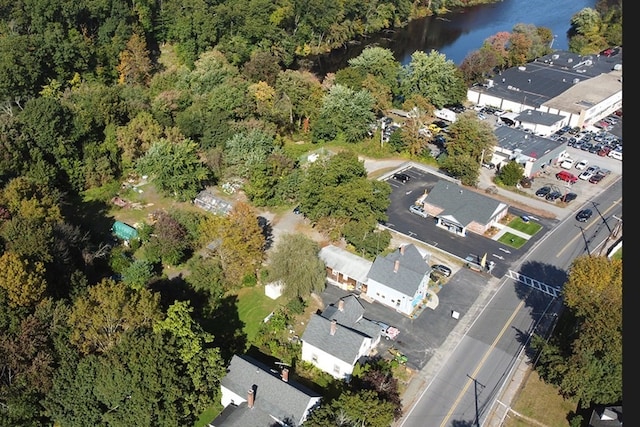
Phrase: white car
(615,154)
(567,163)
(418,210)
(582,164)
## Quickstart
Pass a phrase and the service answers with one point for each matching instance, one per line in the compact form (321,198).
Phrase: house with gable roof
(255,395)
(335,340)
(346,270)
(400,279)
(459,210)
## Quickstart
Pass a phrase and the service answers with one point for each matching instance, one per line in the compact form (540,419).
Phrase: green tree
(584,358)
(345,113)
(353,408)
(301,93)
(296,264)
(242,244)
(586,24)
(434,77)
(23,280)
(246,150)
(108,310)
(26,369)
(206,275)
(365,238)
(469,141)
(139,273)
(175,167)
(511,173)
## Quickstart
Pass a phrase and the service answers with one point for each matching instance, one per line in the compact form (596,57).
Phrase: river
(458,33)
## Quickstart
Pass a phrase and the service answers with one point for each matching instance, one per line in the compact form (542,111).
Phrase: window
(314,358)
(336,369)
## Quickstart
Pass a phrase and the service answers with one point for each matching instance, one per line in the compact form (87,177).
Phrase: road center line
(481,363)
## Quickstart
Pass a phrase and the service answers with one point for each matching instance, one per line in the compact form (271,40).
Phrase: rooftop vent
(522,68)
(570,60)
(576,81)
(555,56)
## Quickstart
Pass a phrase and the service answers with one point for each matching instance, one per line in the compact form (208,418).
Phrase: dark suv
(402,177)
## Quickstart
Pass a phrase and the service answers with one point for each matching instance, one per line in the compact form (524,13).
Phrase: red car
(567,176)
(604,151)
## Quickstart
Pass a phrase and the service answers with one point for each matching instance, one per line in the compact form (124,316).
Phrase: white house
(253,394)
(337,339)
(400,279)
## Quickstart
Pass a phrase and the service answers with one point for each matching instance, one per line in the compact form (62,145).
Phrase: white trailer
(446,114)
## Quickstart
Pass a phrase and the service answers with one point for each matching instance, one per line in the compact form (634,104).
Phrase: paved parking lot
(420,338)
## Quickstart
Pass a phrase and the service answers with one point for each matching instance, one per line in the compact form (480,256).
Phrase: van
(567,176)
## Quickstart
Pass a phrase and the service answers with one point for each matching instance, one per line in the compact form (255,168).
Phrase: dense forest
(196,94)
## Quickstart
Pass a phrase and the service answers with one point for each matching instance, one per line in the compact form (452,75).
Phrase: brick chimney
(341,305)
(250,398)
(396,266)
(334,326)
(285,375)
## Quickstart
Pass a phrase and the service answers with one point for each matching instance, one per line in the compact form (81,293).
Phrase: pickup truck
(388,332)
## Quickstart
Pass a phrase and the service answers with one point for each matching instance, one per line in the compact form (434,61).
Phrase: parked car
(543,191)
(553,196)
(567,163)
(441,269)
(588,173)
(584,215)
(402,177)
(582,164)
(597,177)
(615,154)
(569,197)
(567,177)
(418,210)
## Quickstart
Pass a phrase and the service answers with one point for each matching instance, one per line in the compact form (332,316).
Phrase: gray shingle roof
(462,205)
(344,344)
(273,396)
(242,416)
(411,271)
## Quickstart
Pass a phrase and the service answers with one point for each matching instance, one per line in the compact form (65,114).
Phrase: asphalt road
(467,381)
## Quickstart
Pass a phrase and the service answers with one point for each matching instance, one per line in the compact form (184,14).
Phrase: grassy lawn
(529,228)
(541,402)
(512,240)
(253,307)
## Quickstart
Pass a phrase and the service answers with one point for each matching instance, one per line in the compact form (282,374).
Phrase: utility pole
(475,393)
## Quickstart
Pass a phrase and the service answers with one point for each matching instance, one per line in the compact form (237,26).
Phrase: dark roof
(462,205)
(539,117)
(526,143)
(547,77)
(351,312)
(284,400)
(606,416)
(344,344)
(411,271)
(241,416)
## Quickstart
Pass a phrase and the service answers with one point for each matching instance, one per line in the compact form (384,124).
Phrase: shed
(124,231)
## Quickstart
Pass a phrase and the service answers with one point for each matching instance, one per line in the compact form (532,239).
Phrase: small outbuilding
(124,231)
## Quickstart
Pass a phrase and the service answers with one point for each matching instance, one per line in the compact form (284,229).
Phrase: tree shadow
(227,328)
(267,231)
